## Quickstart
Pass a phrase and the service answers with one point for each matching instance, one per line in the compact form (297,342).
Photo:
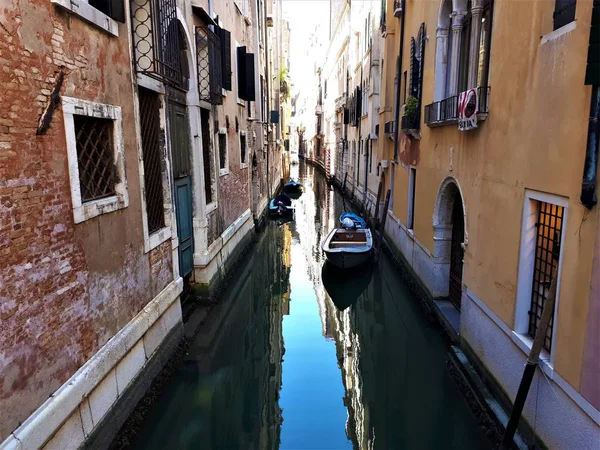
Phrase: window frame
(83,211)
(244,133)
(526,269)
(90,14)
(224,170)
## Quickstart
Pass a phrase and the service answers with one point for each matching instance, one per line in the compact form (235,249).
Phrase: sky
(303,16)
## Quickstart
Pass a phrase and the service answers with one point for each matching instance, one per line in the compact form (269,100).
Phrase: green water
(279,366)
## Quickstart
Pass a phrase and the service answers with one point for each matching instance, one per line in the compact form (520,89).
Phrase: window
(484,46)
(412,182)
(465,42)
(115,9)
(542,235)
(547,253)
(96,161)
(207,157)
(243,149)
(245,74)
(564,12)
(405,85)
(370,148)
(149,108)
(223,154)
(103,13)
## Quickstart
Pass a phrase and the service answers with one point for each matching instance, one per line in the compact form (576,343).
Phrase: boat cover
(357,220)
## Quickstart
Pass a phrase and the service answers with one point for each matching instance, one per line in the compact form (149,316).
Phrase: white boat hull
(346,258)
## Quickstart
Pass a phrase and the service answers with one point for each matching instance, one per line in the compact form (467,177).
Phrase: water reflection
(361,367)
(226,394)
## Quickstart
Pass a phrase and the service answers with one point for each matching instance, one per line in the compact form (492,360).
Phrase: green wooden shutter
(225,57)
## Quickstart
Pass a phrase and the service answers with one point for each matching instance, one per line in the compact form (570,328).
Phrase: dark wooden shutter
(358,104)
(241,73)
(250,79)
(225,58)
(421,62)
(117,10)
(414,70)
(564,12)
(592,75)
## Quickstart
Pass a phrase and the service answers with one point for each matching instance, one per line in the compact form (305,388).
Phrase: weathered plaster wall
(65,289)
(534,138)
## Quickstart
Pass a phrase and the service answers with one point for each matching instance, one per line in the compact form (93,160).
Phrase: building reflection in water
(226,396)
(397,391)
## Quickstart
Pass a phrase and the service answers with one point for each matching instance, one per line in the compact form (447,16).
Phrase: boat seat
(349,243)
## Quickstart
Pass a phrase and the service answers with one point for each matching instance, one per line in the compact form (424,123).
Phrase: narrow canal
(279,366)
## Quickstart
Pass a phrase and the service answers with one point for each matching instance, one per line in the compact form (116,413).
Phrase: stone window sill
(157,237)
(525,342)
(90,14)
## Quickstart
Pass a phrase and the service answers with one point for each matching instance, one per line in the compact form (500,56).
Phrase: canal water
(293,357)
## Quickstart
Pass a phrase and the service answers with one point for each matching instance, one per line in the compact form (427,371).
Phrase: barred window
(243,148)
(94,134)
(95,157)
(222,151)
(151,152)
(547,252)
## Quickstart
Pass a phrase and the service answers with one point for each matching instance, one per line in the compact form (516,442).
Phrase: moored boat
(350,245)
(281,206)
(292,187)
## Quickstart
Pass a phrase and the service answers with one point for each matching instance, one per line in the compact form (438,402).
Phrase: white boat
(346,248)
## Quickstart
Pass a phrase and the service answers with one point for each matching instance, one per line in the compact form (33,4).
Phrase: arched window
(462,54)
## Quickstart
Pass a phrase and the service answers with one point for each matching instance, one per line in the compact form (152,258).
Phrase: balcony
(410,122)
(445,111)
(442,112)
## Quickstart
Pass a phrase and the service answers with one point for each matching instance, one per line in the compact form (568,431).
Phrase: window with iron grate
(545,266)
(223,151)
(95,157)
(151,153)
(243,148)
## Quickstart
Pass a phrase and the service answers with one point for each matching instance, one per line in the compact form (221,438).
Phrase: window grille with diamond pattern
(95,157)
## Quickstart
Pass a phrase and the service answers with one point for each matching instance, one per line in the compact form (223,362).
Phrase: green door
(180,151)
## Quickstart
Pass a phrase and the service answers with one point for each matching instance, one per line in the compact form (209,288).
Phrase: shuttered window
(114,9)
(209,66)
(245,75)
(225,37)
(564,12)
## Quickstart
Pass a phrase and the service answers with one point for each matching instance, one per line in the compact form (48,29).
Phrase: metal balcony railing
(411,121)
(442,111)
(483,92)
(446,110)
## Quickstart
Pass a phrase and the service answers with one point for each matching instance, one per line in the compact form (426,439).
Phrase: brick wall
(65,289)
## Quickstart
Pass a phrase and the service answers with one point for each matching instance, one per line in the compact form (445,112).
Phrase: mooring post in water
(382,227)
(377,201)
(344,185)
(532,362)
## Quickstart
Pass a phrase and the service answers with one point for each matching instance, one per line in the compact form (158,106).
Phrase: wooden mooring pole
(532,362)
(376,217)
(382,227)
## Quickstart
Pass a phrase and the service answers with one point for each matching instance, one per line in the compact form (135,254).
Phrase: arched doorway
(450,238)
(457,252)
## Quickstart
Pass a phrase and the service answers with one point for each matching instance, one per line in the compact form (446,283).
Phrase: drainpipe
(397,112)
(588,185)
(267,93)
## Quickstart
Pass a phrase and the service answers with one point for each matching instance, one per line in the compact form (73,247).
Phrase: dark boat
(292,187)
(281,206)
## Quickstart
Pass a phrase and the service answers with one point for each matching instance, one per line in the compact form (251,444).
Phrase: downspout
(267,93)
(589,197)
(397,112)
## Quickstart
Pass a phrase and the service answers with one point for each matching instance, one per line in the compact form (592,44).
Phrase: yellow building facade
(488,216)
